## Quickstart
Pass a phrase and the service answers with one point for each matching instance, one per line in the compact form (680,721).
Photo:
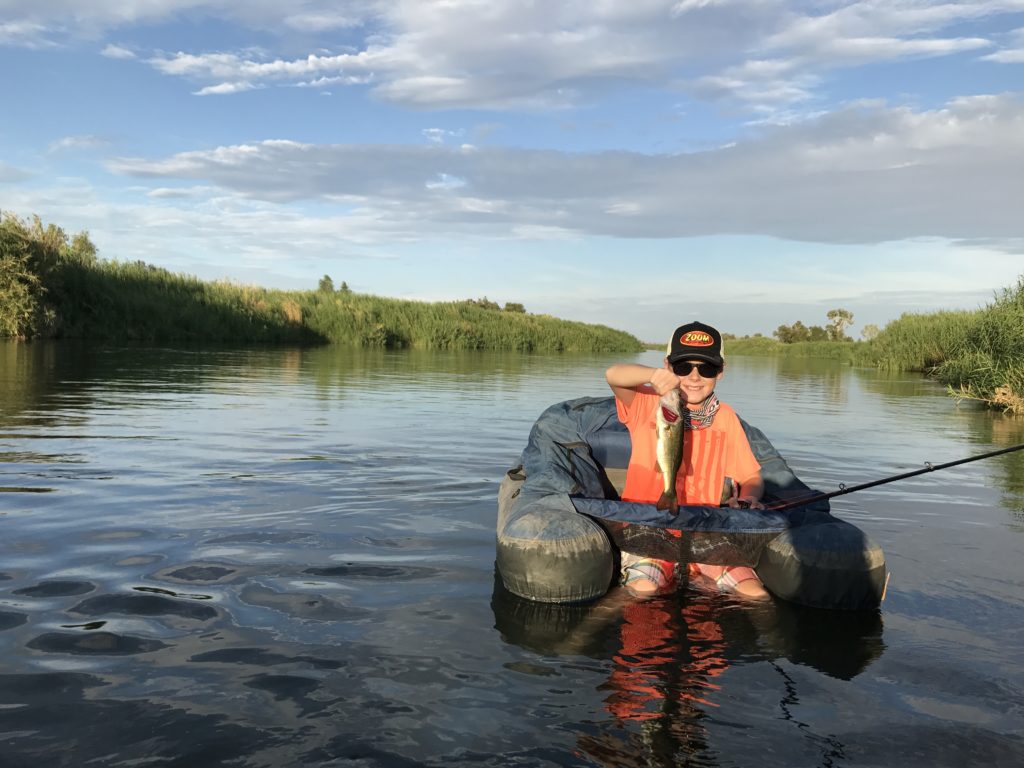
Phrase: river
(285,557)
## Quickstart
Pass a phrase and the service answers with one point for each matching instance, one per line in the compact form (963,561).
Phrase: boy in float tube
(715,447)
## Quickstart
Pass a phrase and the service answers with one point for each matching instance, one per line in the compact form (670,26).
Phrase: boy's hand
(744,502)
(663,380)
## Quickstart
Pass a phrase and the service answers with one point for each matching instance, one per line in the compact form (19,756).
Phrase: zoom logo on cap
(696,339)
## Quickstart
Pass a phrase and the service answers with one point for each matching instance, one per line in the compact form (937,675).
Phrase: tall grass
(843,351)
(977,354)
(919,342)
(988,364)
(374,321)
(53,286)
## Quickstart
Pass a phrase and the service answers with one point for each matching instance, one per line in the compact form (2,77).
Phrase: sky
(635,163)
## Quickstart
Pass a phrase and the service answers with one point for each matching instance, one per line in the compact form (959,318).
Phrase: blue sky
(638,163)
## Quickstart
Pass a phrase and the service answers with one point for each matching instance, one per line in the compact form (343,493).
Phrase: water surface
(286,557)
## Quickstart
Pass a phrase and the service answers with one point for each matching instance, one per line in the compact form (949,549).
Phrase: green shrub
(52,287)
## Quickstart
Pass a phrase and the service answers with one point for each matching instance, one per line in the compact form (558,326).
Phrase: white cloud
(25,34)
(76,143)
(440,135)
(223,88)
(506,54)
(866,174)
(321,21)
(1012,51)
(179,193)
(112,51)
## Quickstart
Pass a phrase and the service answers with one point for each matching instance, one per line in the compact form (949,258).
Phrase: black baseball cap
(696,341)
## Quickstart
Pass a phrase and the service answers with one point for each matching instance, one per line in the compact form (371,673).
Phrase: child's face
(695,387)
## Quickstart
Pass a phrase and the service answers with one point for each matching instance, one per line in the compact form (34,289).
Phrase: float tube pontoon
(561,523)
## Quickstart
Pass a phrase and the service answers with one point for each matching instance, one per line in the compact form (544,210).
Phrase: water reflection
(667,654)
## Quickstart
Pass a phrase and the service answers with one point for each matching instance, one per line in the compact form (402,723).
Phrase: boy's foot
(644,576)
(738,580)
(743,582)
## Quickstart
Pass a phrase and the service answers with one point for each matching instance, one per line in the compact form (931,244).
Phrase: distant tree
(790,334)
(514,306)
(784,333)
(484,303)
(344,288)
(869,331)
(326,284)
(817,333)
(838,320)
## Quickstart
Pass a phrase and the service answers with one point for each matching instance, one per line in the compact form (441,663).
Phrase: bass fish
(670,446)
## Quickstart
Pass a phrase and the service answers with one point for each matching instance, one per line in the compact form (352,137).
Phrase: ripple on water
(57,588)
(262,657)
(302,606)
(199,572)
(372,572)
(144,605)
(11,619)
(94,644)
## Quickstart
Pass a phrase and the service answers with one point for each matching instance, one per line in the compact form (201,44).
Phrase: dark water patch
(349,751)
(144,605)
(57,589)
(529,668)
(374,572)
(94,644)
(208,573)
(5,576)
(971,608)
(405,543)
(62,721)
(358,753)
(302,606)
(935,745)
(959,684)
(24,489)
(285,687)
(11,619)
(261,657)
(18,690)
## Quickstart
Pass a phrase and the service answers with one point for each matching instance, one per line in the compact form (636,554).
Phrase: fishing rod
(928,467)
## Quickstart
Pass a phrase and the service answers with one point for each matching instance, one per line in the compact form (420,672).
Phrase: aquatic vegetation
(843,351)
(54,286)
(919,342)
(988,363)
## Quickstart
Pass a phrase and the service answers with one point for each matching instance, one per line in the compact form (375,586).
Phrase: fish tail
(668,501)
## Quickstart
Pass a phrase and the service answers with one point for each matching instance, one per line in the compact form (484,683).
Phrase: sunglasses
(706,370)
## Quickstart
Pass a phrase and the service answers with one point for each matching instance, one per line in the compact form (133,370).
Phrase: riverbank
(53,286)
(978,355)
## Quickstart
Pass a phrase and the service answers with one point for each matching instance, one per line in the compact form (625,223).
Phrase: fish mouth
(670,416)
